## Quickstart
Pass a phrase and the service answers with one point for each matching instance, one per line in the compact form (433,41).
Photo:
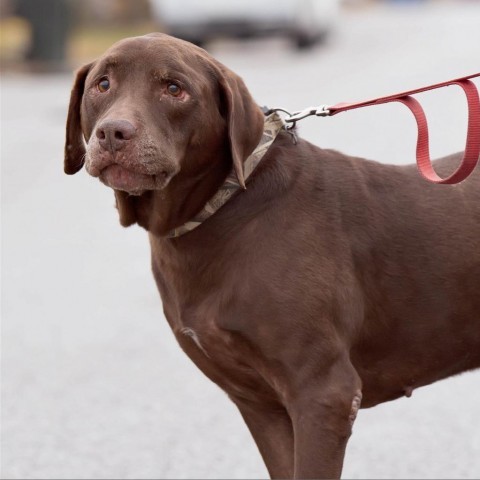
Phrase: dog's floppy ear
(74,146)
(244,119)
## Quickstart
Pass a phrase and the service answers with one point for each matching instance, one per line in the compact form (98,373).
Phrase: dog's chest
(224,358)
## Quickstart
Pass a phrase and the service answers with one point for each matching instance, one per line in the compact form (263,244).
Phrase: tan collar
(273,124)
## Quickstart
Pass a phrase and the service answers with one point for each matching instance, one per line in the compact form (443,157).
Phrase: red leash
(472,148)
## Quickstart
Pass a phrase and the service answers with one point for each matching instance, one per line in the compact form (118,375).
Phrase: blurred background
(93,382)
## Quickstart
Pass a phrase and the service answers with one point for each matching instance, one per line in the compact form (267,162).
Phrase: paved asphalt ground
(94,384)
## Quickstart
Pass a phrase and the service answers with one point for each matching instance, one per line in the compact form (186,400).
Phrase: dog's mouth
(128,171)
(134,183)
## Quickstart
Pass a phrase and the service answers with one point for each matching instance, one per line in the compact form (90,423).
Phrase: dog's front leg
(271,428)
(323,410)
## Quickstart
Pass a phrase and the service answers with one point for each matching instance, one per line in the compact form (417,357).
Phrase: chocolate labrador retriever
(328,284)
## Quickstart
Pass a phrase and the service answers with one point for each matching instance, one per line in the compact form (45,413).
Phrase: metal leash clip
(320,111)
(292,118)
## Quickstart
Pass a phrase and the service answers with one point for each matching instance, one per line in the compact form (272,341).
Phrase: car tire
(305,41)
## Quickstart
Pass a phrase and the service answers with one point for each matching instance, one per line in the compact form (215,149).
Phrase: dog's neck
(273,124)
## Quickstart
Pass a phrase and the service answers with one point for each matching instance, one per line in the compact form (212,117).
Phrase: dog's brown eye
(174,90)
(103,85)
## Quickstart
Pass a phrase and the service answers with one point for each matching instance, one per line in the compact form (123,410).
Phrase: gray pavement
(94,385)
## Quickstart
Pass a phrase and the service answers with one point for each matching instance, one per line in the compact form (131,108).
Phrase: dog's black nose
(113,135)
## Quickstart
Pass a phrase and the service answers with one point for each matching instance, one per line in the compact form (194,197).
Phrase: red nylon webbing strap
(472,148)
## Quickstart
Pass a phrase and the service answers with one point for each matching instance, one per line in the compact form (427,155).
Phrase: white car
(304,21)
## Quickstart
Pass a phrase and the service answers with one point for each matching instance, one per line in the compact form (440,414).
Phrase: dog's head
(155,111)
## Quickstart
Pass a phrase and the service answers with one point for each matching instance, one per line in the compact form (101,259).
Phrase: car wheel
(304,41)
